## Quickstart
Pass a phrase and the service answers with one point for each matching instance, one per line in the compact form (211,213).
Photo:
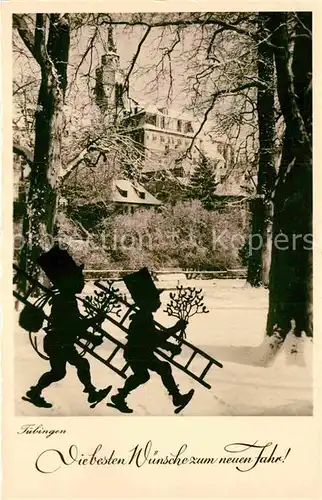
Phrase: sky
(126,41)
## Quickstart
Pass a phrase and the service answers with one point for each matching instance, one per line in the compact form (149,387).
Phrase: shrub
(183,236)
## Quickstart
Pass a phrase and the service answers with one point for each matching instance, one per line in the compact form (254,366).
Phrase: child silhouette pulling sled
(142,340)
(65,326)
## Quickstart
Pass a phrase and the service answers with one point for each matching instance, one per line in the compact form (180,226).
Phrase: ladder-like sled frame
(120,324)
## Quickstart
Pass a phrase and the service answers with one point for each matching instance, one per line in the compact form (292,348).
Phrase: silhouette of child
(142,340)
(65,326)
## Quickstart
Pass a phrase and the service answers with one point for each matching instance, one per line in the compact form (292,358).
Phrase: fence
(95,274)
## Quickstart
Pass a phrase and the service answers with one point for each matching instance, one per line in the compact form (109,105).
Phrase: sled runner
(178,362)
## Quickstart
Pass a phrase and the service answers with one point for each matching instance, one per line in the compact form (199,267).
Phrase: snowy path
(232,332)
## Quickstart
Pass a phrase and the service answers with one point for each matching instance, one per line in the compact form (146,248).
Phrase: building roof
(125,191)
(142,107)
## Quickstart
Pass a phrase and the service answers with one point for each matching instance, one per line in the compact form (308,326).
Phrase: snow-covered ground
(232,332)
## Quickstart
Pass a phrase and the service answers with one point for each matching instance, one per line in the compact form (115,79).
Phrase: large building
(167,137)
(169,141)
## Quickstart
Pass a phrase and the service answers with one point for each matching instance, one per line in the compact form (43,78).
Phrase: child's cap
(141,287)
(57,264)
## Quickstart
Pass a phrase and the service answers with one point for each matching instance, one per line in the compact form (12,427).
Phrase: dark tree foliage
(203,183)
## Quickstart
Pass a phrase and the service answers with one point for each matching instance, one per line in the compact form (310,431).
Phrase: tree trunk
(290,296)
(39,220)
(262,209)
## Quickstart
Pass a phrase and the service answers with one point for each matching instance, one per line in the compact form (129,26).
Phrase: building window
(142,195)
(179,142)
(162,139)
(188,127)
(151,119)
(220,148)
(179,126)
(178,172)
(123,192)
(166,149)
(162,122)
(154,137)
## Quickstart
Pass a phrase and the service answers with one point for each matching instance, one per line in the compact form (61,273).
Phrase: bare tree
(262,205)
(49,46)
(61,142)
(291,304)
(231,76)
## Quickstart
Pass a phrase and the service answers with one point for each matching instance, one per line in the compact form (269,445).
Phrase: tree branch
(181,22)
(80,226)
(89,48)
(213,102)
(76,161)
(135,57)
(24,152)
(21,87)
(25,34)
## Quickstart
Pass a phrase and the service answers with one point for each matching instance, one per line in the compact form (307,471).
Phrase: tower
(108,89)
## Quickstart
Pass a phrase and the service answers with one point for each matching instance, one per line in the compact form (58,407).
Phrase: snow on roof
(181,115)
(150,108)
(22,150)
(169,112)
(125,191)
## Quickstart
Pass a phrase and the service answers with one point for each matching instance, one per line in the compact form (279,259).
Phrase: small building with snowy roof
(130,195)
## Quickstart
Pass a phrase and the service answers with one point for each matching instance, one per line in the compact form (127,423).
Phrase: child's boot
(180,399)
(119,401)
(34,395)
(95,396)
